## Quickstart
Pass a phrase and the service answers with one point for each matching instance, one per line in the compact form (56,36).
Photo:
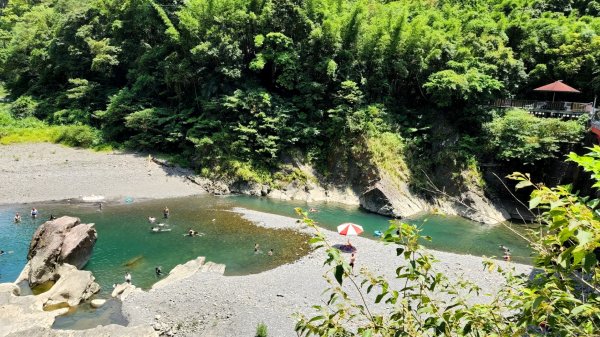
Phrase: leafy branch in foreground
(561,297)
(419,302)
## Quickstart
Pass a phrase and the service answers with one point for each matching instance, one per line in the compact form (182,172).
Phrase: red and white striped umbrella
(349,229)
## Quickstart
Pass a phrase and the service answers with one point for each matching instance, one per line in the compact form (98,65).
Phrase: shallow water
(448,233)
(126,243)
(124,235)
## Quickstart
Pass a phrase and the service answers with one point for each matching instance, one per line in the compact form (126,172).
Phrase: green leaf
(534,202)
(399,251)
(339,274)
(536,303)
(315,240)
(523,184)
(583,237)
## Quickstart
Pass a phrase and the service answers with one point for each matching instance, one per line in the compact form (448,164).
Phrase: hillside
(387,99)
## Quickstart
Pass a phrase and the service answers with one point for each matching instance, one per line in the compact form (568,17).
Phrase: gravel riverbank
(44,172)
(208,304)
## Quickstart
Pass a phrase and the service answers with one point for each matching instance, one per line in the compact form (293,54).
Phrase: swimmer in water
(17,217)
(151,219)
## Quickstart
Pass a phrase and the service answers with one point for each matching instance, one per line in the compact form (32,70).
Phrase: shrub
(79,135)
(71,116)
(261,330)
(24,106)
(522,136)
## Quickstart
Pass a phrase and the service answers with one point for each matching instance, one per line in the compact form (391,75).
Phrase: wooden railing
(561,108)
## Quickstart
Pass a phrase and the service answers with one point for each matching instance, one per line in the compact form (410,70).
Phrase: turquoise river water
(126,243)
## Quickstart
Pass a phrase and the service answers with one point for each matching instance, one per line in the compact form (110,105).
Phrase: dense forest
(239,84)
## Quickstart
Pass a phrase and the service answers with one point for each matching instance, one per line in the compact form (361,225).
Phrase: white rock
(97,303)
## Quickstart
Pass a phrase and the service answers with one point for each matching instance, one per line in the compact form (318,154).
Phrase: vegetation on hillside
(239,83)
(560,298)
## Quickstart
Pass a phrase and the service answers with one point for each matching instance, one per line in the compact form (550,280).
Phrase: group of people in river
(160,227)
(34,214)
(258,251)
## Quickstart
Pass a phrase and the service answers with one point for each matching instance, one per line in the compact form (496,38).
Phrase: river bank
(214,305)
(44,172)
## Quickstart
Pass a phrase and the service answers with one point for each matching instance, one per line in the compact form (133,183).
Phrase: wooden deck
(547,108)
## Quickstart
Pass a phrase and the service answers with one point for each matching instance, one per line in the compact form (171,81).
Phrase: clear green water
(449,233)
(126,243)
(124,235)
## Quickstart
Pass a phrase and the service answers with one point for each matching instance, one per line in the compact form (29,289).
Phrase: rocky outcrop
(188,269)
(72,287)
(123,290)
(473,205)
(64,240)
(56,244)
(387,198)
(25,316)
(19,313)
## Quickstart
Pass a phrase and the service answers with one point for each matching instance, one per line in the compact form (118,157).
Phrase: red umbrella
(349,229)
(555,87)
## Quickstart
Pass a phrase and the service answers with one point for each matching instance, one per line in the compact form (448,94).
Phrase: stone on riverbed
(97,303)
(63,240)
(123,290)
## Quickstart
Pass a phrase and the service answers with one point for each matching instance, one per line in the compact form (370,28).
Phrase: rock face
(18,313)
(64,240)
(395,199)
(387,198)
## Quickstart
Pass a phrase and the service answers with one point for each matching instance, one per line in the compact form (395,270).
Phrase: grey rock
(64,240)
(72,287)
(392,199)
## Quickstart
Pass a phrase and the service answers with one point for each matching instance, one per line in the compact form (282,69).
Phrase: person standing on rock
(128,277)
(166,212)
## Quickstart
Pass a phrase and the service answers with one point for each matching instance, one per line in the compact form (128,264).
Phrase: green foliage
(261,330)
(521,136)
(23,107)
(219,80)
(561,299)
(32,130)
(78,136)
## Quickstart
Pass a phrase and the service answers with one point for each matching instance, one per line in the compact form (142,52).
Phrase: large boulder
(72,287)
(63,240)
